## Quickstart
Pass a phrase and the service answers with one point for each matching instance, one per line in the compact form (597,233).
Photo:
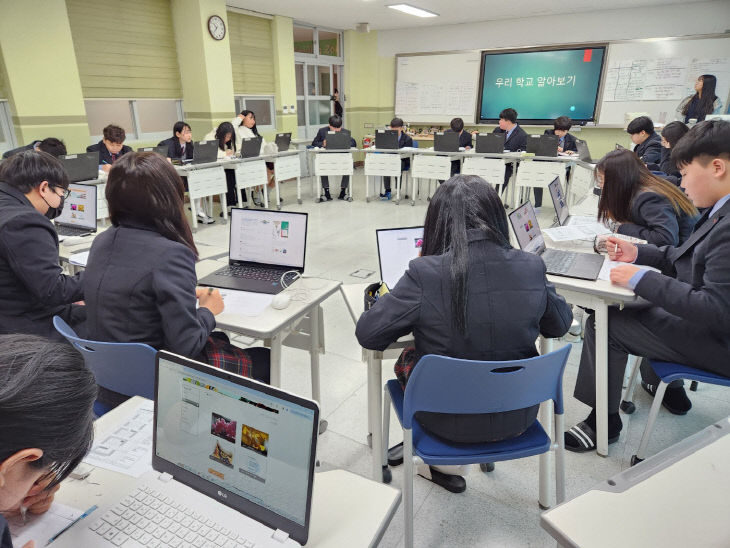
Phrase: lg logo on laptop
(222,494)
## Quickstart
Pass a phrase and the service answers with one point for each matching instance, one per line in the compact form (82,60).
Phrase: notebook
(396,248)
(263,246)
(81,167)
(386,139)
(283,141)
(78,217)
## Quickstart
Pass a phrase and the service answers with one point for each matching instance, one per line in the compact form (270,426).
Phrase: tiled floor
(498,509)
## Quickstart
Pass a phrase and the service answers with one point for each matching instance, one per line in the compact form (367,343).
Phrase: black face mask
(597,190)
(54,212)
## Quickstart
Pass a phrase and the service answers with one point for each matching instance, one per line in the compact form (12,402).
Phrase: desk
(675,498)
(347,510)
(332,163)
(205,181)
(287,165)
(249,173)
(385,164)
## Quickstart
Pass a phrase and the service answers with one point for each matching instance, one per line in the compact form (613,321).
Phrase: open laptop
(561,207)
(204,152)
(490,142)
(542,145)
(386,139)
(584,266)
(78,217)
(162,151)
(81,167)
(283,141)
(338,140)
(396,248)
(446,141)
(233,464)
(251,147)
(263,246)
(583,153)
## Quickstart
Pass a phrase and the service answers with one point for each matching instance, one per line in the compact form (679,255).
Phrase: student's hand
(106,167)
(467,147)
(621,250)
(229,152)
(39,499)
(211,300)
(324,143)
(29,544)
(80,303)
(560,149)
(240,117)
(621,275)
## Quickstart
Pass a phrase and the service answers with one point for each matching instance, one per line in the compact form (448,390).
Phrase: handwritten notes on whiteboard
(435,98)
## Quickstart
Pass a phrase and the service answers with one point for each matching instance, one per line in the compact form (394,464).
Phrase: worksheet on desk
(245,303)
(608,265)
(41,527)
(575,232)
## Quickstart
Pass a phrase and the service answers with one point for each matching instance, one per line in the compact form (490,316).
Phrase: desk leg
(546,459)
(513,188)
(194,214)
(276,359)
(224,205)
(314,313)
(601,319)
(367,189)
(299,190)
(397,187)
(266,194)
(375,404)
(278,195)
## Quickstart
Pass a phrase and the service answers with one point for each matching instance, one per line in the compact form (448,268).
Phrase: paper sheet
(128,449)
(575,232)
(42,527)
(79,259)
(245,303)
(608,265)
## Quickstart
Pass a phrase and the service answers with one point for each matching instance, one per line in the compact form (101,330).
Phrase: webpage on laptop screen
(561,208)
(524,223)
(397,248)
(268,237)
(80,207)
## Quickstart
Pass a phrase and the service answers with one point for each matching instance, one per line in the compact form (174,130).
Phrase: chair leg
(560,458)
(693,386)
(627,406)
(408,486)
(386,426)
(641,453)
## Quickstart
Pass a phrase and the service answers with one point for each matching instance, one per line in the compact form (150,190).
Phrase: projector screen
(541,85)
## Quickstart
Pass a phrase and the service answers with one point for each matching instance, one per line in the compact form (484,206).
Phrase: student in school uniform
(245,125)
(457,126)
(470,295)
(671,134)
(687,320)
(703,102)
(404,141)
(33,288)
(640,204)
(140,281)
(320,140)
(180,146)
(224,134)
(336,102)
(561,127)
(648,142)
(111,147)
(515,139)
(51,145)
(46,424)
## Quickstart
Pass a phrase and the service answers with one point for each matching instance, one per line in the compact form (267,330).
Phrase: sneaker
(256,197)
(342,194)
(385,195)
(204,219)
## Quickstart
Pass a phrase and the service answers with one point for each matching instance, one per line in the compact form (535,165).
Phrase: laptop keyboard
(151,518)
(558,263)
(252,273)
(71,231)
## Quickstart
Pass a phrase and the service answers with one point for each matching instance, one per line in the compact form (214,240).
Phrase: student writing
(111,147)
(320,140)
(224,135)
(648,143)
(404,141)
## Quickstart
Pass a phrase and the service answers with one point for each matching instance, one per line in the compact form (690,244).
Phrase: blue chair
(669,372)
(448,385)
(125,368)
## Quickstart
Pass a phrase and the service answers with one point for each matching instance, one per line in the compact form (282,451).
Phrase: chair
(125,368)
(669,372)
(449,385)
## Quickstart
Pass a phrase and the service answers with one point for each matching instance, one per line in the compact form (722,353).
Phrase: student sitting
(404,141)
(515,140)
(320,140)
(46,423)
(561,127)
(648,143)
(687,321)
(51,145)
(226,149)
(457,126)
(644,206)
(245,125)
(671,134)
(33,288)
(471,295)
(140,281)
(111,147)
(180,146)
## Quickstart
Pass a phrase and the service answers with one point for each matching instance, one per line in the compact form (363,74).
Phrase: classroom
(364,273)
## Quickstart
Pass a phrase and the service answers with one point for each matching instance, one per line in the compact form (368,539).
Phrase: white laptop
(78,217)
(233,464)
(560,203)
(396,248)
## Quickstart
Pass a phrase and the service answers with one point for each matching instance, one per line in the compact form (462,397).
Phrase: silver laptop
(560,203)
(584,266)
(78,217)
(396,248)
(264,246)
(583,153)
(81,167)
(233,465)
(283,141)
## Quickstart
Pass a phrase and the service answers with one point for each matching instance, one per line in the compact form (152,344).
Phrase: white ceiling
(345,14)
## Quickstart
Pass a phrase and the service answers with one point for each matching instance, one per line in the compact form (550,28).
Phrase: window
(316,42)
(7,136)
(329,43)
(142,119)
(262,107)
(304,40)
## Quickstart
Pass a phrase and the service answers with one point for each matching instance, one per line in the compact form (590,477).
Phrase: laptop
(162,151)
(233,464)
(396,248)
(81,167)
(283,141)
(78,217)
(386,139)
(264,245)
(561,207)
(446,141)
(548,146)
(584,266)
(490,142)
(583,153)
(204,152)
(338,140)
(251,147)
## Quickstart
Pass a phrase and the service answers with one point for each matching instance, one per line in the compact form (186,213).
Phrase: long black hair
(220,134)
(707,99)
(245,113)
(462,203)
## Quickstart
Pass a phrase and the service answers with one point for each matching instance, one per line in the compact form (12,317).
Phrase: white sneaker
(204,219)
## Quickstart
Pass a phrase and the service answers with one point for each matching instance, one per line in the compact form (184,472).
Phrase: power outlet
(368,125)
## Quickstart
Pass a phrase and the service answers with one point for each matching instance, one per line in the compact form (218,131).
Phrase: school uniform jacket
(568,142)
(174,150)
(9,153)
(654,219)
(405,141)
(650,151)
(105,156)
(517,140)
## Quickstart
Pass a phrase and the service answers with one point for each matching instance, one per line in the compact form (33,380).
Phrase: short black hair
(642,123)
(335,121)
(28,169)
(674,131)
(179,127)
(563,123)
(54,147)
(457,124)
(114,134)
(396,122)
(509,114)
(706,140)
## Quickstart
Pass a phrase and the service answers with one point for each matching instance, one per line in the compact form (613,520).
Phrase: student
(471,295)
(180,146)
(224,134)
(140,282)
(404,141)
(515,139)
(644,206)
(320,140)
(111,147)
(687,320)
(46,423)
(648,143)
(671,134)
(51,145)
(33,288)
(702,103)
(561,127)
(457,126)
(336,101)
(245,124)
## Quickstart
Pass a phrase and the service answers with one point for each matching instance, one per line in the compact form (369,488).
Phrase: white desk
(287,165)
(250,173)
(205,181)
(676,498)
(332,163)
(385,164)
(347,510)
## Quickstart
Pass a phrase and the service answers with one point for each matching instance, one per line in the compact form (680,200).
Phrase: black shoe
(455,484)
(395,455)
(675,399)
(342,194)
(327,195)
(582,437)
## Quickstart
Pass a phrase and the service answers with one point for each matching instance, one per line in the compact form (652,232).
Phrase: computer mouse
(280,301)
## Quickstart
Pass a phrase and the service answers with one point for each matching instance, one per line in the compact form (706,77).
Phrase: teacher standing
(702,103)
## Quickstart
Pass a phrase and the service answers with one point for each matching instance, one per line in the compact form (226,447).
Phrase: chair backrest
(415,144)
(126,368)
(449,385)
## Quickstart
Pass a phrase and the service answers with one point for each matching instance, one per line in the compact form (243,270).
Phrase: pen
(210,291)
(74,522)
(615,249)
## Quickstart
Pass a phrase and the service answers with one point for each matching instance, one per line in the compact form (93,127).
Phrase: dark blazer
(321,136)
(650,151)
(517,140)
(140,287)
(568,141)
(9,153)
(667,166)
(691,296)
(105,156)
(405,141)
(33,287)
(653,219)
(174,150)
(510,304)
(464,138)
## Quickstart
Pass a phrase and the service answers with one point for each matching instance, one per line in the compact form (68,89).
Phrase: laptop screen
(396,248)
(268,237)
(561,206)
(527,231)
(254,441)
(79,209)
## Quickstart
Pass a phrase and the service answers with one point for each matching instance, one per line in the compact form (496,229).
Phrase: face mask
(54,212)
(597,190)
